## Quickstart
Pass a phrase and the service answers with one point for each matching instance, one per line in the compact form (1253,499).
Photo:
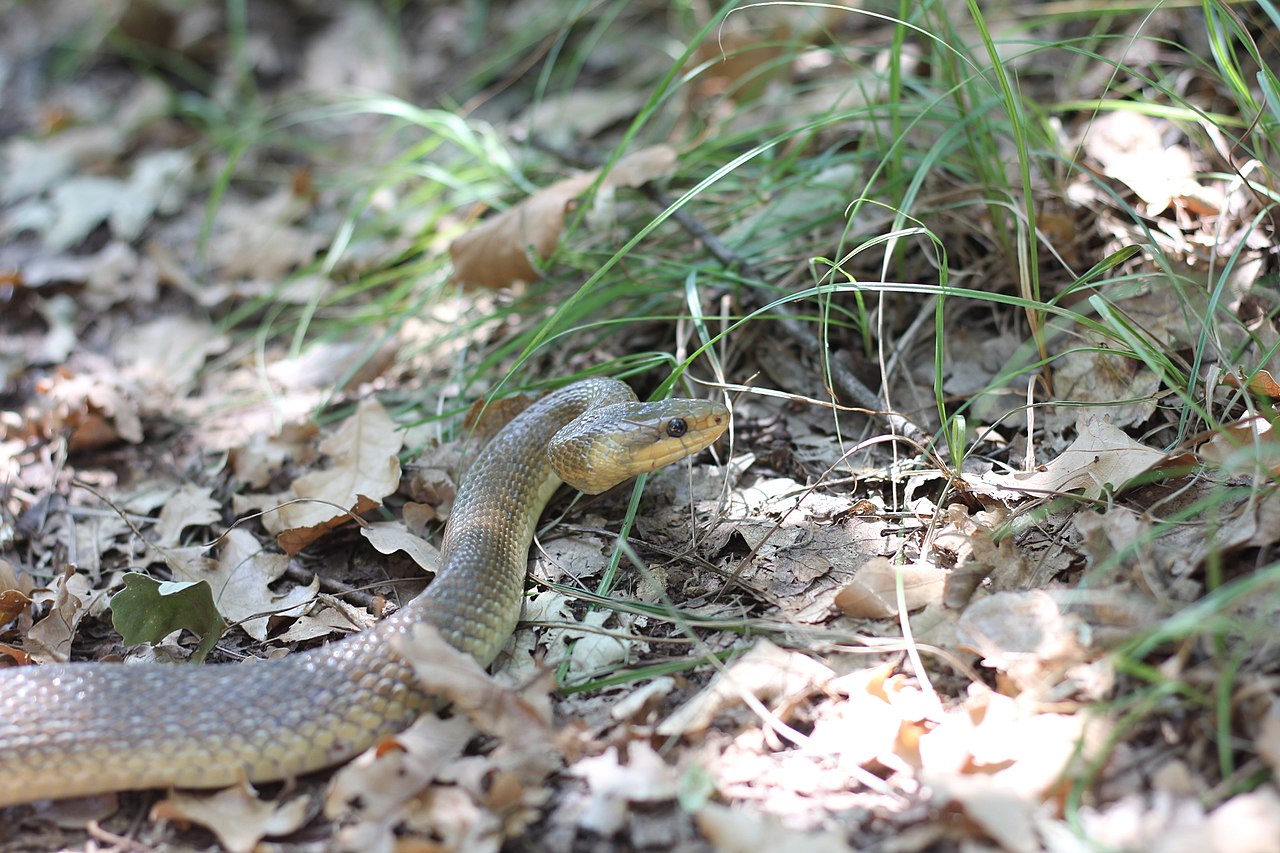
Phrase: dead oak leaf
(1243,446)
(190,506)
(242,581)
(366,468)
(165,355)
(391,536)
(507,713)
(1102,458)
(49,640)
(505,248)
(738,830)
(873,593)
(375,787)
(235,815)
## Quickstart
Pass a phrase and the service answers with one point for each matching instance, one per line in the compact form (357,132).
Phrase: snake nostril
(676,427)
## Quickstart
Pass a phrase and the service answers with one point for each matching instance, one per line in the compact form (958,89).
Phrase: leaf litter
(935,676)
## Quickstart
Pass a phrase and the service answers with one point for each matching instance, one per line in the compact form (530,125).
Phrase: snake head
(614,443)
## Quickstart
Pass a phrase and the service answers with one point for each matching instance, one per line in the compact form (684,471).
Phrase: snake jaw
(617,442)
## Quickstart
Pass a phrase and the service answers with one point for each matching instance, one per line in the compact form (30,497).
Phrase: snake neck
(493,522)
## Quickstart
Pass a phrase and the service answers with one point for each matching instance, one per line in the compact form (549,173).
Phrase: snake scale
(85,728)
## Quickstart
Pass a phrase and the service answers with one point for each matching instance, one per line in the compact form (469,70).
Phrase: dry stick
(846,384)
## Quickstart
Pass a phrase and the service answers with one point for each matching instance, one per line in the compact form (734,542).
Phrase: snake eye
(676,427)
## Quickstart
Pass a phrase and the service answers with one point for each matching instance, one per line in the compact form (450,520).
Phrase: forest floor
(987,560)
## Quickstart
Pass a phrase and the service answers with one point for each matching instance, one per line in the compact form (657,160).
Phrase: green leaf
(148,610)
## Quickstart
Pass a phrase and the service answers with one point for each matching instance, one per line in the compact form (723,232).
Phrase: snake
(77,729)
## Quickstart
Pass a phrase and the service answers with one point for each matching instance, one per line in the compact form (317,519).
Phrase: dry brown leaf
(1262,383)
(366,468)
(258,460)
(1247,823)
(242,581)
(49,640)
(1023,634)
(495,708)
(1268,743)
(235,815)
(256,240)
(164,356)
(873,594)
(376,786)
(94,409)
(496,254)
(391,536)
(503,249)
(1102,458)
(865,726)
(737,830)
(766,672)
(1243,446)
(1129,147)
(15,592)
(190,506)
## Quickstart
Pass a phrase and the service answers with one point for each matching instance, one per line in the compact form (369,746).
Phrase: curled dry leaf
(366,468)
(235,815)
(1024,634)
(505,248)
(95,409)
(375,787)
(494,707)
(49,640)
(873,594)
(391,536)
(190,506)
(258,460)
(241,583)
(1242,446)
(1263,382)
(736,830)
(1101,458)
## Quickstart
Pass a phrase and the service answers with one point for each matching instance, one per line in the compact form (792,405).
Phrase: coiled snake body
(75,729)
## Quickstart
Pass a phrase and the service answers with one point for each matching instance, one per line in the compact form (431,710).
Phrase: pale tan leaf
(391,536)
(376,785)
(1024,634)
(1247,823)
(366,468)
(49,640)
(190,506)
(258,241)
(873,594)
(241,584)
(165,355)
(257,461)
(737,830)
(1268,743)
(641,167)
(1101,458)
(495,708)
(235,815)
(503,249)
